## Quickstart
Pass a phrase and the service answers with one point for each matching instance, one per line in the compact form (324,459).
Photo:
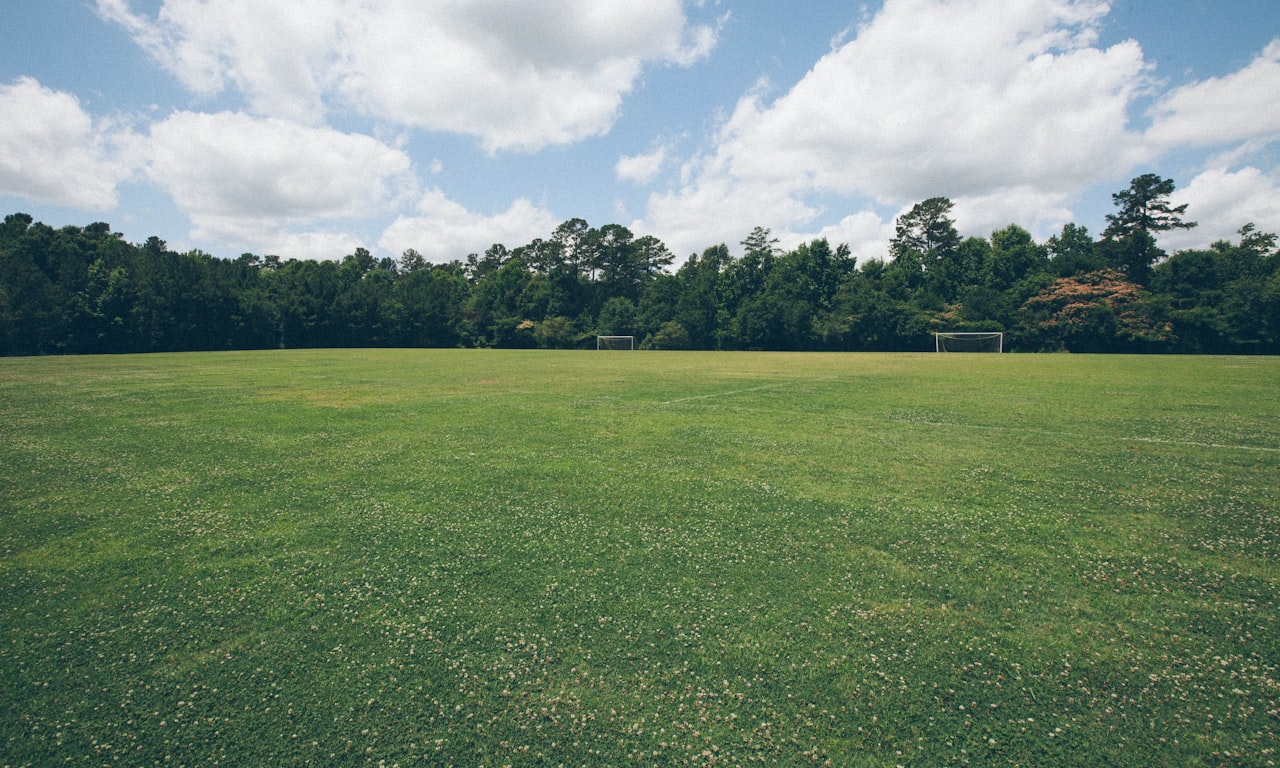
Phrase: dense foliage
(87,290)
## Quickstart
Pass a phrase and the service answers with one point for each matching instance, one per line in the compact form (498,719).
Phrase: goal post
(615,342)
(968,341)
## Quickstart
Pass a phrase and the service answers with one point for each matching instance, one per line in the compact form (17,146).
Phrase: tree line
(81,290)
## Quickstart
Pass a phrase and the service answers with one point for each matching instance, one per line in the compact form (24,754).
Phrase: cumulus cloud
(961,97)
(243,179)
(976,100)
(1009,107)
(278,54)
(52,151)
(1221,201)
(641,169)
(516,75)
(716,207)
(1035,209)
(1242,106)
(867,229)
(312,245)
(443,230)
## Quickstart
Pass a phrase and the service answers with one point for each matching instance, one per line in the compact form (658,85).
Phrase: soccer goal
(980,341)
(615,342)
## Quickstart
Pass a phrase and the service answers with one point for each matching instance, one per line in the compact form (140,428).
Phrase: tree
(556,288)
(617,317)
(109,301)
(545,257)
(657,303)
(922,250)
(494,307)
(411,261)
(577,242)
(480,267)
(87,289)
(356,265)
(761,244)
(615,263)
(556,332)
(432,300)
(671,335)
(1144,210)
(744,278)
(1072,251)
(968,266)
(652,257)
(1014,256)
(15,226)
(305,293)
(1219,296)
(1095,312)
(926,229)
(698,305)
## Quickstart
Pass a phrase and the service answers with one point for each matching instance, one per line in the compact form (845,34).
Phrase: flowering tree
(1094,312)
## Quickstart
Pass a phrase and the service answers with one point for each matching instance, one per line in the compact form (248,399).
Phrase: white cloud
(714,207)
(516,75)
(977,100)
(248,180)
(1040,212)
(1221,201)
(444,230)
(961,97)
(52,151)
(1242,106)
(316,246)
(641,169)
(278,54)
(866,233)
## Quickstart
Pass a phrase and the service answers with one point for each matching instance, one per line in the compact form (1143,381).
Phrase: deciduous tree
(1095,312)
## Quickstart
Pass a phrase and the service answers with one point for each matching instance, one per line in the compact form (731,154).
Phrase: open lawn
(637,558)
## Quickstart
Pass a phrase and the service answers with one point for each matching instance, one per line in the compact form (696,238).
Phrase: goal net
(982,341)
(615,342)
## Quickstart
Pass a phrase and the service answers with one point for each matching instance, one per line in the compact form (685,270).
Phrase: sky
(309,128)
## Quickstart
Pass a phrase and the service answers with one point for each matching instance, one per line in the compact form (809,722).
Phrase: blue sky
(307,128)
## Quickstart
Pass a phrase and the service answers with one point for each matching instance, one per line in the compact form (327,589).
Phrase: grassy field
(478,558)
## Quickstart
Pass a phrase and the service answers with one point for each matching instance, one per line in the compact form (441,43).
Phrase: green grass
(539,558)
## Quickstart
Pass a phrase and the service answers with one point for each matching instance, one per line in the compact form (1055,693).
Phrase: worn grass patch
(541,558)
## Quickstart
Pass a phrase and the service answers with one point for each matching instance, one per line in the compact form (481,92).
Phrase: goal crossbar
(968,341)
(615,342)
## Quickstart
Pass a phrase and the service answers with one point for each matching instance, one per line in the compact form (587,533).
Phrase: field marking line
(732,392)
(1194,444)
(1154,440)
